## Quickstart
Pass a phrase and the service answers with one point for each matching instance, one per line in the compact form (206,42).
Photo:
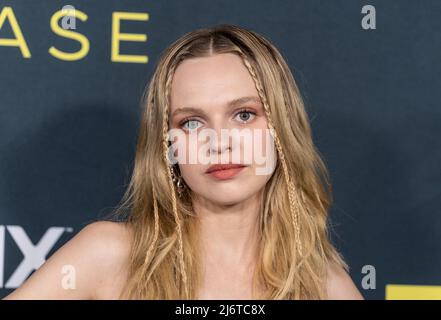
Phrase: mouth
(225,171)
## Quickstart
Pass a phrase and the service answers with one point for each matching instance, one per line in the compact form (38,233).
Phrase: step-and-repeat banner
(369,71)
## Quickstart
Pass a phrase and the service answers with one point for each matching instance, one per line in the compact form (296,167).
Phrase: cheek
(188,151)
(262,150)
(191,173)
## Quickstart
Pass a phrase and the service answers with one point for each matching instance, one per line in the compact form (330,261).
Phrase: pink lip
(228,172)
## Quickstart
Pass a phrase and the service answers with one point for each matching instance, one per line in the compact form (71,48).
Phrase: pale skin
(99,252)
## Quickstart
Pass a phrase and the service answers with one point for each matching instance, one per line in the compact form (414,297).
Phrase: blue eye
(190,122)
(246,114)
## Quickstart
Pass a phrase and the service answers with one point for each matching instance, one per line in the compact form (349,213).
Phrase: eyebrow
(230,104)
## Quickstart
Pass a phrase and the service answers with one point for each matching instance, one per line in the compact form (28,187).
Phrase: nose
(220,143)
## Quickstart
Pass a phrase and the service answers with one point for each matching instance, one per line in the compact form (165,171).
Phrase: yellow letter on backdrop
(19,40)
(70,35)
(117,36)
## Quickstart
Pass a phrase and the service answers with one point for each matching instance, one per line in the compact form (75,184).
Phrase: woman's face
(215,97)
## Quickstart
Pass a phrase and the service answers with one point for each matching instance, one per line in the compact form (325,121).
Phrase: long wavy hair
(294,249)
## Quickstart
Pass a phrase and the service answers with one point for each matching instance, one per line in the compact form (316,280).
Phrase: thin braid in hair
(293,204)
(170,181)
(156,217)
(294,208)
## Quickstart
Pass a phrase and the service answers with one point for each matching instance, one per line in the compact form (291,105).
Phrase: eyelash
(183,122)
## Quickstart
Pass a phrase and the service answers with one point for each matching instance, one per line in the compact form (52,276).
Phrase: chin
(227,201)
(230,196)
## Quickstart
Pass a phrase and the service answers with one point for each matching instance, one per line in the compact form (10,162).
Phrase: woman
(201,231)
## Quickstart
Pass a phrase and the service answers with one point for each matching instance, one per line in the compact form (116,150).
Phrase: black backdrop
(68,128)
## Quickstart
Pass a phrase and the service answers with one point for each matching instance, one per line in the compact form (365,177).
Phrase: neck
(229,234)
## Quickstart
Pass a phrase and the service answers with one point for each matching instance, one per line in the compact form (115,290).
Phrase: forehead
(210,81)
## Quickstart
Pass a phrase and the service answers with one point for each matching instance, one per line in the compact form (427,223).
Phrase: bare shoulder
(108,241)
(340,285)
(92,265)
(113,237)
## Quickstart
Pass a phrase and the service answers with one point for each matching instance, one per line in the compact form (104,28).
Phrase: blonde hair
(294,247)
